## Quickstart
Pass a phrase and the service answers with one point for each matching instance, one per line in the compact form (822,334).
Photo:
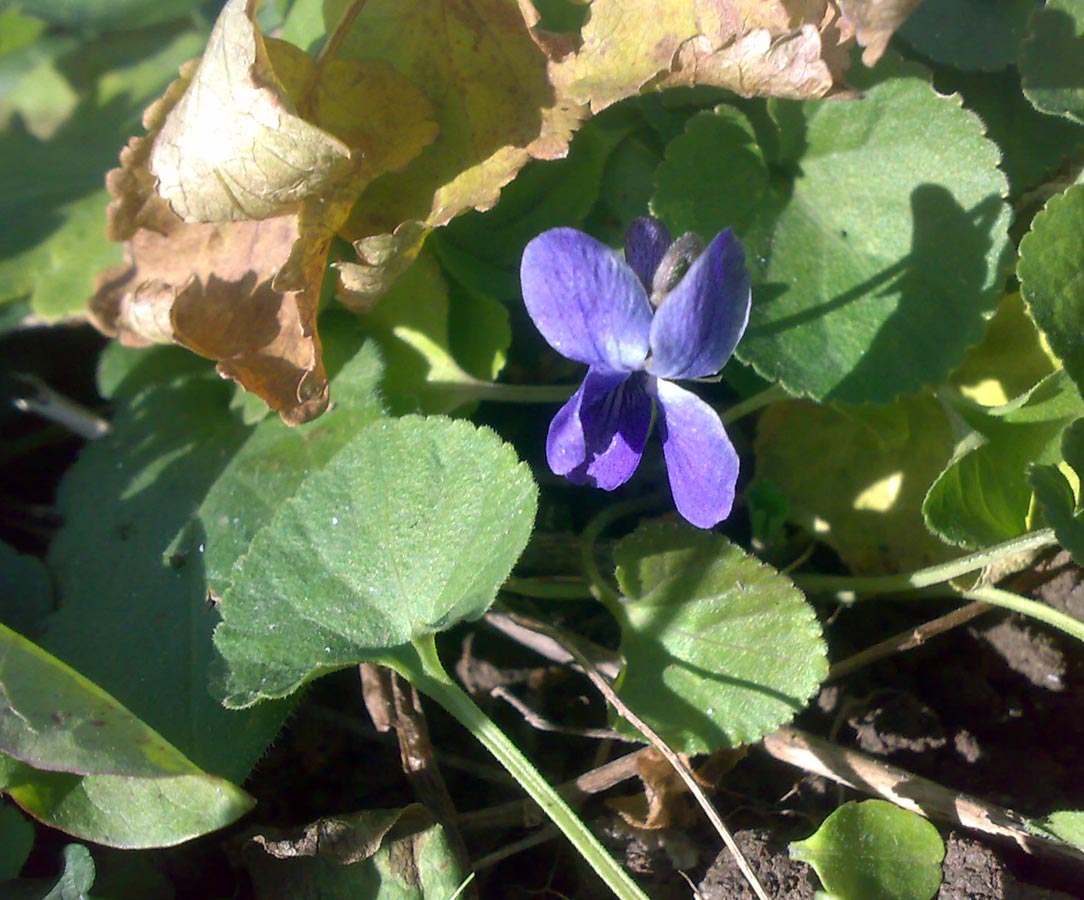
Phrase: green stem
(939,574)
(423,669)
(600,587)
(766,397)
(549,588)
(1031,608)
(498,392)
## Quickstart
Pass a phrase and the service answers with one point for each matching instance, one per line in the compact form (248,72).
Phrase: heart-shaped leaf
(409,529)
(720,649)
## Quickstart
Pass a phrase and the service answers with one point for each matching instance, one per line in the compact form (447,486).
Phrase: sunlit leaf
(409,529)
(1010,358)
(983,495)
(1065,824)
(857,478)
(720,649)
(91,768)
(404,852)
(412,324)
(873,850)
(1056,495)
(1052,59)
(273,462)
(875,256)
(1050,276)
(1033,146)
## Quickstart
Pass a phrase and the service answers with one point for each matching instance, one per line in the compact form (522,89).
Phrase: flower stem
(420,664)
(766,397)
(549,588)
(1031,608)
(498,392)
(939,574)
(600,587)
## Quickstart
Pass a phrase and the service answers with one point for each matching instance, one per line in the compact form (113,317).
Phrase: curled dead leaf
(875,21)
(209,287)
(227,143)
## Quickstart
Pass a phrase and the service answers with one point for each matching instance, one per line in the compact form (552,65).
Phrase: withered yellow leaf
(233,148)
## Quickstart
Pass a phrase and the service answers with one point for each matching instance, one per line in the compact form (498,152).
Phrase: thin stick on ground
(908,640)
(905,789)
(603,686)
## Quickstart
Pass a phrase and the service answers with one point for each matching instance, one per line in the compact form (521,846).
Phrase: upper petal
(646,242)
(699,323)
(701,463)
(588,304)
(598,437)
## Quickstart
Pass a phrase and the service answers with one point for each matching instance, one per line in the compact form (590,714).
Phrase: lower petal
(700,460)
(598,436)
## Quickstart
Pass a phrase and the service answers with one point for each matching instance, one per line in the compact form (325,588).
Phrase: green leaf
(1065,824)
(875,256)
(411,322)
(969,34)
(93,769)
(107,14)
(1056,496)
(78,876)
(409,529)
(1052,59)
(858,476)
(874,850)
(983,496)
(275,459)
(1050,276)
(124,371)
(53,187)
(713,176)
(720,649)
(124,582)
(398,854)
(1033,145)
(18,30)
(26,596)
(544,195)
(16,841)
(1010,359)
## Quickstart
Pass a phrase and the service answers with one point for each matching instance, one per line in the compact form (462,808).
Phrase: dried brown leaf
(875,21)
(227,143)
(209,287)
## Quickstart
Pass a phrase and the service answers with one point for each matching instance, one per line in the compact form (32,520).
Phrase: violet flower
(664,312)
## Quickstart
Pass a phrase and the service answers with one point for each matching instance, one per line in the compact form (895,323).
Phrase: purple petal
(598,436)
(700,322)
(645,243)
(587,303)
(700,460)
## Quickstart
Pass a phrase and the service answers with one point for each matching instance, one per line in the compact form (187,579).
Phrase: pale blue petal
(588,304)
(598,436)
(646,242)
(701,463)
(699,323)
